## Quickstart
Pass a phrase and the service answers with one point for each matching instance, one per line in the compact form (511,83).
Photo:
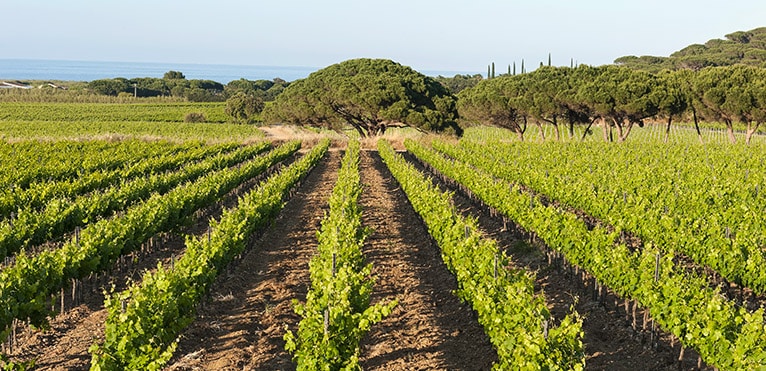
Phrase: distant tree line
(175,84)
(741,47)
(618,98)
(371,95)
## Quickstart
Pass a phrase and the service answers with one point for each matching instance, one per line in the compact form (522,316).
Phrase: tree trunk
(624,136)
(751,129)
(571,129)
(607,130)
(359,130)
(584,133)
(522,128)
(730,131)
(556,129)
(618,126)
(555,123)
(697,126)
(540,127)
(667,128)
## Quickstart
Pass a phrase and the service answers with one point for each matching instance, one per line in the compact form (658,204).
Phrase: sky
(443,35)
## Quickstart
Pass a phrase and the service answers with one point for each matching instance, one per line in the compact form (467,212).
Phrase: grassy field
(115,121)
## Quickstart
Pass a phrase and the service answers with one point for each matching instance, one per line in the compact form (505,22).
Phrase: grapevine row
(141,130)
(153,112)
(711,210)
(31,227)
(144,321)
(39,194)
(516,320)
(26,286)
(725,335)
(337,312)
(27,162)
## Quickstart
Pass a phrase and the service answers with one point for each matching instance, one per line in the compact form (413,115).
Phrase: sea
(67,70)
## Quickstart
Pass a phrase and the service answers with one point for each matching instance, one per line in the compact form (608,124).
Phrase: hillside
(741,47)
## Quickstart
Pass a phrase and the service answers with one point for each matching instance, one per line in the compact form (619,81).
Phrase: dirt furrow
(241,326)
(610,341)
(430,329)
(65,345)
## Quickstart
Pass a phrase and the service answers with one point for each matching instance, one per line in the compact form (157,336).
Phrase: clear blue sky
(443,35)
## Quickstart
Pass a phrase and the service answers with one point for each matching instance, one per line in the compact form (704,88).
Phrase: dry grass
(395,136)
(308,137)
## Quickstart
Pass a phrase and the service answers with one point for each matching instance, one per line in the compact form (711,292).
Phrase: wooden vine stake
(8,344)
(326,321)
(681,357)
(627,310)
(74,292)
(62,299)
(595,288)
(12,337)
(634,324)
(333,264)
(653,335)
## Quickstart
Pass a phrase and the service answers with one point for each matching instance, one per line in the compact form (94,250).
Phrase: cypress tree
(509,69)
(488,72)
(514,68)
(522,66)
(549,59)
(493,70)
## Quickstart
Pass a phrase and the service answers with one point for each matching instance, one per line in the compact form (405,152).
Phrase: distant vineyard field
(110,112)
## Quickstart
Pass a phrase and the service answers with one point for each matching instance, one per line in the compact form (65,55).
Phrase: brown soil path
(241,327)
(430,329)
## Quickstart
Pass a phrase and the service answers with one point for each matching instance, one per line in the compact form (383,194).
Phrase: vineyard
(113,121)
(131,240)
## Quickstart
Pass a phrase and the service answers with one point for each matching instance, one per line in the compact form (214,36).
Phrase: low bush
(195,117)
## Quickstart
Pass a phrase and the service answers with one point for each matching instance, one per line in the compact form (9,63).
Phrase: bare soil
(64,346)
(430,329)
(242,325)
(610,341)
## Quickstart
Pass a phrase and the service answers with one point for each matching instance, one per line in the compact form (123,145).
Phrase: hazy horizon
(73,70)
(427,35)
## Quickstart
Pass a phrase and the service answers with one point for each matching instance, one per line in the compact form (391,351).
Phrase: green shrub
(195,117)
